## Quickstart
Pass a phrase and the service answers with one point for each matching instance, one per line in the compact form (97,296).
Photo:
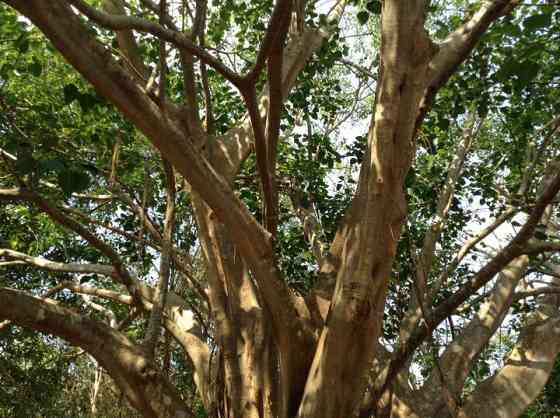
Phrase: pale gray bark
(320,353)
(136,376)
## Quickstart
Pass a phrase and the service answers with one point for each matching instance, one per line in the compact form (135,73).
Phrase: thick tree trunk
(242,326)
(335,386)
(277,356)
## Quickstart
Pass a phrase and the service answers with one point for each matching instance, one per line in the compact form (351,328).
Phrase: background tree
(187,204)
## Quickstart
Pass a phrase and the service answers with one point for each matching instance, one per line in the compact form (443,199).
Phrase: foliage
(62,136)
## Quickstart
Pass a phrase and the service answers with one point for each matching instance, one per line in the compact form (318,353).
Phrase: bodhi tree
(188,188)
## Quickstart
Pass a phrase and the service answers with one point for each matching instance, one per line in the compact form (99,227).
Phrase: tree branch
(458,45)
(423,266)
(514,249)
(261,151)
(119,22)
(166,18)
(15,194)
(127,43)
(139,379)
(275,101)
(460,356)
(179,319)
(454,172)
(42,263)
(153,330)
(552,290)
(275,35)
(120,271)
(69,36)
(311,229)
(231,149)
(507,214)
(531,360)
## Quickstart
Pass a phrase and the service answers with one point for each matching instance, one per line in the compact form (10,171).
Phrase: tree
(181,219)
(547,404)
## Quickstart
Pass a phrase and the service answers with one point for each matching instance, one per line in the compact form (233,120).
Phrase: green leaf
(55,165)
(507,69)
(35,68)
(5,70)
(363,17)
(73,181)
(535,22)
(71,93)
(87,101)
(25,164)
(527,71)
(443,124)
(22,43)
(374,6)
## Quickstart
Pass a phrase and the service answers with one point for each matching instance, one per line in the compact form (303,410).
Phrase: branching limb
(366,72)
(179,318)
(281,75)
(190,109)
(154,324)
(109,227)
(531,360)
(135,375)
(450,398)
(444,203)
(423,266)
(553,127)
(297,24)
(127,43)
(115,161)
(119,22)
(507,214)
(261,152)
(165,17)
(77,268)
(109,314)
(15,194)
(458,45)
(275,101)
(551,290)
(209,111)
(231,149)
(459,356)
(514,249)
(89,291)
(274,36)
(371,235)
(311,228)
(45,264)
(181,259)
(120,272)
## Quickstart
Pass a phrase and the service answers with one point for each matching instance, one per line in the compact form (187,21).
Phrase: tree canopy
(312,209)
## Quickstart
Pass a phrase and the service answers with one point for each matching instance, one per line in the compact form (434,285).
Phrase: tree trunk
(280,355)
